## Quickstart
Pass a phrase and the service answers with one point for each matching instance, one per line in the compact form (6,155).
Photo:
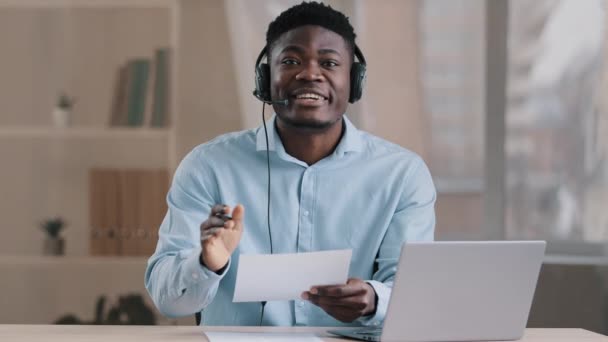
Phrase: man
(333,187)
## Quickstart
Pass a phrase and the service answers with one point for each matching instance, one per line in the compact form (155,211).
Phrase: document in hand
(266,277)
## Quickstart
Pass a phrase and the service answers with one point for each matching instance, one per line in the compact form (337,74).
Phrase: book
(131,201)
(160,107)
(118,115)
(95,213)
(138,70)
(104,213)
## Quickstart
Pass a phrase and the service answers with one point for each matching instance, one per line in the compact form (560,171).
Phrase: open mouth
(309,98)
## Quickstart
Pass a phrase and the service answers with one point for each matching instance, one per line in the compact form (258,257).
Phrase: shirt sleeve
(176,281)
(413,220)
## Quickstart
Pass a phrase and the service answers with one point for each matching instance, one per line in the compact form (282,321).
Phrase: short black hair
(311,13)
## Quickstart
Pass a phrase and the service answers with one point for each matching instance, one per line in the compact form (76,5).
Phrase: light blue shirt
(369,195)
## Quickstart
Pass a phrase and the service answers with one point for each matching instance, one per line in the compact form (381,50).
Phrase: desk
(92,333)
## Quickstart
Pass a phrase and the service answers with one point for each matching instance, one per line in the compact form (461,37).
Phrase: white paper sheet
(260,337)
(265,277)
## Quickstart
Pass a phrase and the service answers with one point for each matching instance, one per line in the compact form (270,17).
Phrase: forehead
(310,37)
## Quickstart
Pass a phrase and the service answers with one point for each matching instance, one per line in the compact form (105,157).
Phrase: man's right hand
(219,237)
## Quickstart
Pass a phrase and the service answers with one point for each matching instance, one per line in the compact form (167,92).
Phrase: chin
(308,121)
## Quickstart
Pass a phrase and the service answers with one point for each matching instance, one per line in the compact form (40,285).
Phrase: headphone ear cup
(262,81)
(357,81)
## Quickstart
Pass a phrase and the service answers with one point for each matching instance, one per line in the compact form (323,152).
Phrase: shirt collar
(272,136)
(351,140)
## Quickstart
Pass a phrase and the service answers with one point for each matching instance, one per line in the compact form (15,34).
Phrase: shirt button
(301,304)
(376,323)
(306,213)
(195,275)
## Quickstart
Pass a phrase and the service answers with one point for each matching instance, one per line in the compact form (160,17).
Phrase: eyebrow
(299,49)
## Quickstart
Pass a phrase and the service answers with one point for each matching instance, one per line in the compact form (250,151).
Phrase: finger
(213,230)
(212,222)
(212,233)
(223,217)
(238,212)
(219,209)
(354,303)
(350,289)
(237,216)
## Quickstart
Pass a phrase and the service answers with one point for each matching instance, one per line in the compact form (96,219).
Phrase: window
(452,78)
(556,121)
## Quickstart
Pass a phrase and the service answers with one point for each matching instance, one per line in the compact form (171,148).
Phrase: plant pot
(53,246)
(62,117)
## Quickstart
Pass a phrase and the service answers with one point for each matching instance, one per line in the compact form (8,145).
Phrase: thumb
(351,282)
(238,213)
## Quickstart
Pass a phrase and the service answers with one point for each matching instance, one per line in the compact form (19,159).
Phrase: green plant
(65,102)
(53,226)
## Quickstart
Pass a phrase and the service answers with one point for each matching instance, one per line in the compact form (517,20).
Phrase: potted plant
(53,244)
(62,114)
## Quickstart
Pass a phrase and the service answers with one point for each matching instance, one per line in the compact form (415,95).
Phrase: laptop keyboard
(374,331)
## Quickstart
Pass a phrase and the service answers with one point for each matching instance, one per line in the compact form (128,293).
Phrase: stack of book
(141,92)
(126,208)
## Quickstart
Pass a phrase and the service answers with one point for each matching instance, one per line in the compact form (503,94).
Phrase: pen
(223,217)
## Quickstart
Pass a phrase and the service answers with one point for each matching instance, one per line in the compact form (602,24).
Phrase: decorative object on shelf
(62,113)
(130,310)
(53,244)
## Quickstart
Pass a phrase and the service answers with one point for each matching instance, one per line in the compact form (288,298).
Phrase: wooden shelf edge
(83,132)
(71,260)
(97,4)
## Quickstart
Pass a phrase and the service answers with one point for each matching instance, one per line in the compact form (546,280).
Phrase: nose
(310,72)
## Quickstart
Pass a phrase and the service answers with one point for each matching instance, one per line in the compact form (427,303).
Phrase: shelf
(110,4)
(71,260)
(83,132)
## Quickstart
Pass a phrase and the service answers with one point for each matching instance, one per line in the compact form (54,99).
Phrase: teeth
(309,96)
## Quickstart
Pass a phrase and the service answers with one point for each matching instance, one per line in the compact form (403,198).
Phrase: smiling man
(333,187)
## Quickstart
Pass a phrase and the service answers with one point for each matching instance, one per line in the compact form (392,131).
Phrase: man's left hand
(345,303)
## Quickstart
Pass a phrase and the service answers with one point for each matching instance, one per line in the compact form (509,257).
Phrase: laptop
(459,291)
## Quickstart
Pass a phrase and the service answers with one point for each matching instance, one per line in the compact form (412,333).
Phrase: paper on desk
(260,337)
(264,277)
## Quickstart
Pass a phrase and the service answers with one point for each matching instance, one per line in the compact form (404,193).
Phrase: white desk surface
(68,333)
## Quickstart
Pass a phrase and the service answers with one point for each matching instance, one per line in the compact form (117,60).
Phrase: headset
(262,78)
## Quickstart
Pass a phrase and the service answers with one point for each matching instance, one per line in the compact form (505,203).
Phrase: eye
(330,64)
(289,61)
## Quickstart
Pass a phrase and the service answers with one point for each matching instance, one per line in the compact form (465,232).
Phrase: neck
(310,145)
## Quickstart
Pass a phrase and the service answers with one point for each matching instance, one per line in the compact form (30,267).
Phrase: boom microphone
(283,102)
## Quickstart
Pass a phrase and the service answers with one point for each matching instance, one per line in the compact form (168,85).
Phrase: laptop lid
(463,291)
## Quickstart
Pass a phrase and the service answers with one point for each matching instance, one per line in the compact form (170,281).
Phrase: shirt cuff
(195,272)
(383,293)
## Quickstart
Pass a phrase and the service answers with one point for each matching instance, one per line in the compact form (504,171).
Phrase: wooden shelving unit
(77,46)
